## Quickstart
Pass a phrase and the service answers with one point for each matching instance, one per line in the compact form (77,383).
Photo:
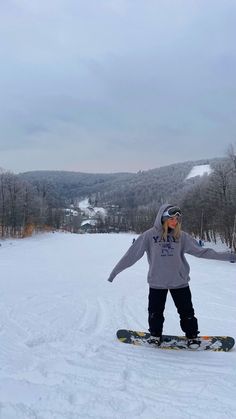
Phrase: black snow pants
(183,302)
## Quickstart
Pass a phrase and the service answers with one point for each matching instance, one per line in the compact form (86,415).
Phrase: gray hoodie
(168,267)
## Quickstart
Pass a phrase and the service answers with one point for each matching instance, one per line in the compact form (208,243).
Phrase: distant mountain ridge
(129,190)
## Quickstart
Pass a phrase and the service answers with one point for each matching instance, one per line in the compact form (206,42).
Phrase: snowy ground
(199,170)
(59,357)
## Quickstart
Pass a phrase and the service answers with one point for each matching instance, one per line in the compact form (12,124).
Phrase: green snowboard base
(207,343)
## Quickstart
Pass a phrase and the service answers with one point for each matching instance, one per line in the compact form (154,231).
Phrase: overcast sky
(115,85)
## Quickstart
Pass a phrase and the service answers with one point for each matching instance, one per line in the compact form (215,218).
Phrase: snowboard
(211,343)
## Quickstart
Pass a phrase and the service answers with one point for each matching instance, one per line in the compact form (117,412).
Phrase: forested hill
(40,199)
(71,185)
(128,190)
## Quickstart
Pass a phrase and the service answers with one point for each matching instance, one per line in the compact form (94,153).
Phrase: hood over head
(163,208)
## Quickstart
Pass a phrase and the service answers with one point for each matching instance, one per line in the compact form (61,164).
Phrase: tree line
(208,202)
(209,208)
(25,207)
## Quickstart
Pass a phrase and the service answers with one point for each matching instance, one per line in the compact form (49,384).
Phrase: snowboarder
(166,245)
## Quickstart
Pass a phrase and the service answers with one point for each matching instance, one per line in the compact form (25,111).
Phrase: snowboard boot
(193,342)
(154,340)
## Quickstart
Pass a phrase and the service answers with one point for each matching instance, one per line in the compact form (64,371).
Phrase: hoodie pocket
(183,275)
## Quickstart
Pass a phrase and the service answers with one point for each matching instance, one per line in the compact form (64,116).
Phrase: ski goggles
(172,212)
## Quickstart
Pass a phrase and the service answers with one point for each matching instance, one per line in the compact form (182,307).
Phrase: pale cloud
(119,7)
(115,85)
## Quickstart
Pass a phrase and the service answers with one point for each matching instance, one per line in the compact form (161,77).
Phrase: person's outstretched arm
(134,253)
(192,247)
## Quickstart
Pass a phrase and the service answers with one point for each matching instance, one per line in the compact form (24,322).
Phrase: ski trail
(94,318)
(14,355)
(134,317)
(59,356)
(16,411)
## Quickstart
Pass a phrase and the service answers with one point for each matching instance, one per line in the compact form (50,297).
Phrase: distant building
(88,226)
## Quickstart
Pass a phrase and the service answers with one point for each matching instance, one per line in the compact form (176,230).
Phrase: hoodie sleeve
(134,253)
(192,248)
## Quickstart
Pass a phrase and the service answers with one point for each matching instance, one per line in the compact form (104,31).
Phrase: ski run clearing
(199,170)
(59,356)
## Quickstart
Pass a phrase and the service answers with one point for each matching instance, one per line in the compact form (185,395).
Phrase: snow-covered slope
(59,358)
(199,170)
(91,211)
